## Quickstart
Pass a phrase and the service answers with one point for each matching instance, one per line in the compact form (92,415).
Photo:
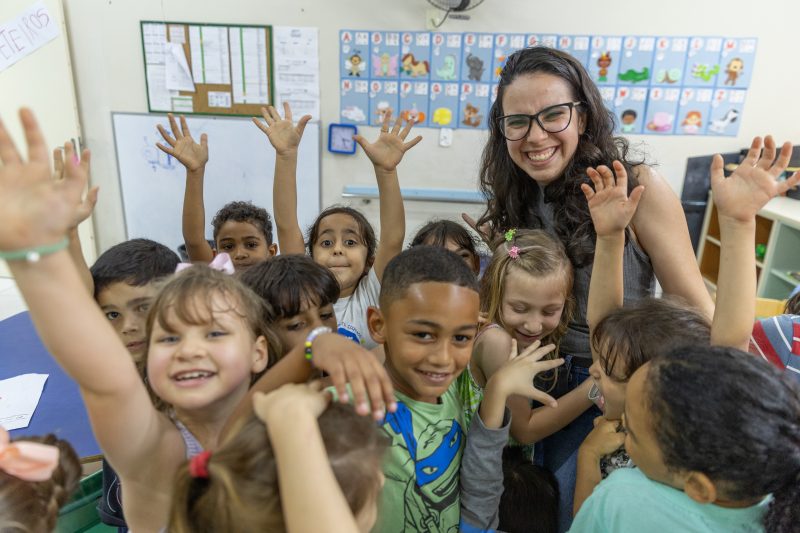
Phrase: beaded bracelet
(32,255)
(316,332)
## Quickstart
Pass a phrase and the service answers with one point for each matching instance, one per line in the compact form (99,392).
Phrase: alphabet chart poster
(656,85)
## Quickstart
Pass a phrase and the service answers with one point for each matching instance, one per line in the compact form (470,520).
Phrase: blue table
(60,410)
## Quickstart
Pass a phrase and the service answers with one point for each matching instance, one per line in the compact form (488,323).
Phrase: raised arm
(660,228)
(386,153)
(285,138)
(738,199)
(194,157)
(37,213)
(311,498)
(611,210)
(83,212)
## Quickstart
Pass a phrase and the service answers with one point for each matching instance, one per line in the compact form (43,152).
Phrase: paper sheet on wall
(178,75)
(23,35)
(19,397)
(210,54)
(296,56)
(249,65)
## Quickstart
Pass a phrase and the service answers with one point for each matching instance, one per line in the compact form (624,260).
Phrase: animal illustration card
(477,57)
(604,59)
(736,63)
(629,109)
(726,110)
(505,44)
(444,105)
(354,54)
(474,105)
(577,46)
(414,99)
(445,56)
(536,39)
(415,55)
(662,107)
(670,60)
(693,111)
(636,60)
(383,99)
(703,61)
(384,54)
(607,93)
(354,101)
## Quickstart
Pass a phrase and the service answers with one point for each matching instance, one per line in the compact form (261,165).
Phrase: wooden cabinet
(778,229)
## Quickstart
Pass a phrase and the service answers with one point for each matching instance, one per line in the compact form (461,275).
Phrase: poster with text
(354,101)
(636,60)
(477,57)
(354,54)
(446,56)
(629,109)
(474,105)
(662,107)
(384,54)
(444,105)
(669,62)
(693,111)
(415,55)
(702,62)
(726,111)
(577,46)
(383,99)
(736,63)
(505,44)
(414,99)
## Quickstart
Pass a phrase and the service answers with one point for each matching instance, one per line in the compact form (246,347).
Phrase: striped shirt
(777,339)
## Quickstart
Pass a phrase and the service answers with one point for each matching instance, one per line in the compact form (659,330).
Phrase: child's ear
(273,249)
(377,325)
(700,488)
(260,354)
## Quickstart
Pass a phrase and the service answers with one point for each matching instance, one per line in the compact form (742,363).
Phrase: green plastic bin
(80,514)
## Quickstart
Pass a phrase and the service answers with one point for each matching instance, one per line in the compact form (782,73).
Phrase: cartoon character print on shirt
(435,485)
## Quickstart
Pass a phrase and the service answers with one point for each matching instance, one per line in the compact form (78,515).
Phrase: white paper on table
(296,59)
(249,65)
(210,54)
(178,74)
(159,96)
(23,35)
(19,397)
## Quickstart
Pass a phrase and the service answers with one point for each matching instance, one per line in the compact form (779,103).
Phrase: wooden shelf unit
(777,228)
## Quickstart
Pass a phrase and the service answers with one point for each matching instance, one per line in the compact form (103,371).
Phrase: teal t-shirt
(421,468)
(628,501)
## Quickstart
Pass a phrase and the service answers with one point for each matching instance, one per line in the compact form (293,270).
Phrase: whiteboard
(241,165)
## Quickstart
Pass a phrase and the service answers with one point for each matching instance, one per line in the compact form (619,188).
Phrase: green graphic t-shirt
(421,492)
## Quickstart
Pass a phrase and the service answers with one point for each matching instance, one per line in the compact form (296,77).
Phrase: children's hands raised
(610,206)
(86,206)
(388,150)
(281,132)
(754,182)
(182,146)
(348,362)
(291,398)
(516,375)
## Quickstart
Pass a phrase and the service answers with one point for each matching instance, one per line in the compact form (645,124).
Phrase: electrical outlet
(445,137)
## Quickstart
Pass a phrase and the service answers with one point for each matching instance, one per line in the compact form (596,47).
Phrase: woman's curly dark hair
(512,194)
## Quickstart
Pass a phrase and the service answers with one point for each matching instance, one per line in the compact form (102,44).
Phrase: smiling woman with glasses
(547,125)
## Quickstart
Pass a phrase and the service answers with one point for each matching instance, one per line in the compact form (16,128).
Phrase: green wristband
(32,255)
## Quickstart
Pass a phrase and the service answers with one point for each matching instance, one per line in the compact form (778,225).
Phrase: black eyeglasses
(551,119)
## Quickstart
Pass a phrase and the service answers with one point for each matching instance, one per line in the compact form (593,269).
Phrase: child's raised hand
(291,398)
(37,210)
(281,132)
(347,362)
(388,150)
(516,375)
(610,206)
(754,182)
(484,231)
(603,439)
(182,146)
(86,206)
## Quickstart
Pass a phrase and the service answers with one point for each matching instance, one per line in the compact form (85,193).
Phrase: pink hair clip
(29,461)
(513,252)
(221,262)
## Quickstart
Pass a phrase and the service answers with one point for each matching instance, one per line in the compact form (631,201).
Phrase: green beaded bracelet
(32,255)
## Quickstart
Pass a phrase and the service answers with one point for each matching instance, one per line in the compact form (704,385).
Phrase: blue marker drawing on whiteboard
(155,157)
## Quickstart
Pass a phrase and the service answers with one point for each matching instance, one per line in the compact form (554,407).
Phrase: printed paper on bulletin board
(207,68)
(658,85)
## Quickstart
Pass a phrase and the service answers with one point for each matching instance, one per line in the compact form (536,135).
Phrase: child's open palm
(281,132)
(388,150)
(516,375)
(754,182)
(86,206)
(610,206)
(182,146)
(37,210)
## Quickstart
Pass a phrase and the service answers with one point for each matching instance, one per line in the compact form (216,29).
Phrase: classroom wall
(108,65)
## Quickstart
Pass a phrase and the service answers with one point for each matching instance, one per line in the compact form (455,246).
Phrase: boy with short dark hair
(126,280)
(427,322)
